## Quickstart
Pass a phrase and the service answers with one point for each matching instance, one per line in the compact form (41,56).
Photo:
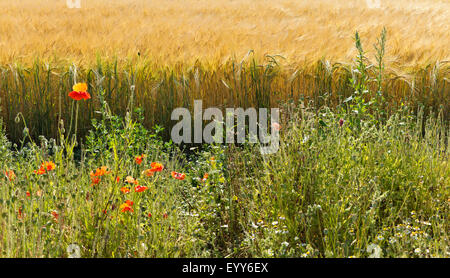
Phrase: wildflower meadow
(89,167)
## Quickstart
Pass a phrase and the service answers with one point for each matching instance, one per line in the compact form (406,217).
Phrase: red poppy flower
(139,159)
(140,188)
(28,194)
(79,92)
(95,180)
(178,176)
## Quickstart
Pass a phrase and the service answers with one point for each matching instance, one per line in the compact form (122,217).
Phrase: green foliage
(332,193)
(356,181)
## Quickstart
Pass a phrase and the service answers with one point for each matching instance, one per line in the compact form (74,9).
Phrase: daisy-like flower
(178,176)
(140,188)
(79,92)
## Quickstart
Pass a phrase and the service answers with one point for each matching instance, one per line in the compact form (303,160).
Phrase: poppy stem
(71,120)
(76,121)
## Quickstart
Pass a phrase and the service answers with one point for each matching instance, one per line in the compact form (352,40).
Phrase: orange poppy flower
(130,179)
(95,180)
(140,188)
(45,166)
(139,158)
(55,215)
(79,92)
(100,172)
(156,167)
(150,215)
(205,177)
(178,176)
(125,190)
(126,206)
(118,179)
(41,171)
(148,172)
(10,175)
(48,165)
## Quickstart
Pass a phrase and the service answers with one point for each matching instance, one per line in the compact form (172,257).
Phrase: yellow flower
(80,87)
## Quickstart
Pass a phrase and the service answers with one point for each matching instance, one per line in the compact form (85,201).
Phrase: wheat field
(171,31)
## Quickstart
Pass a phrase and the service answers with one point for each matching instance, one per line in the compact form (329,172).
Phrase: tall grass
(40,92)
(332,190)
